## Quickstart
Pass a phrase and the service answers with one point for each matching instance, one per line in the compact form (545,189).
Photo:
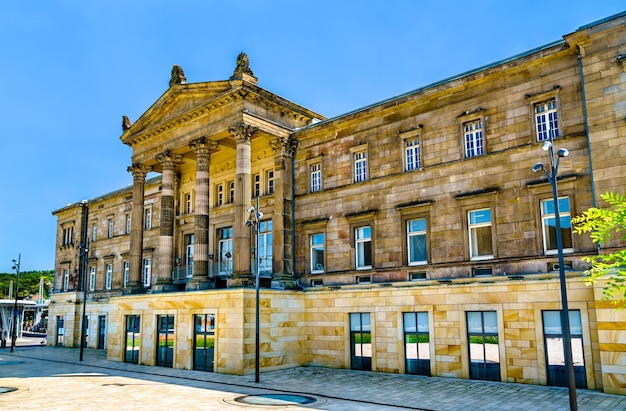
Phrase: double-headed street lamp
(16,267)
(551,174)
(253,221)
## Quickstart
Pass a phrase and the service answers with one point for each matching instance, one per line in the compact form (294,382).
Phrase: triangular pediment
(177,102)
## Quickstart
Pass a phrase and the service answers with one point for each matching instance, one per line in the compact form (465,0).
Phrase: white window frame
(128,223)
(220,195)
(269,176)
(562,215)
(410,234)
(317,246)
(66,279)
(265,247)
(94,230)
(147,272)
(231,192)
(360,241)
(473,138)
(189,249)
(412,153)
(546,119)
(147,217)
(472,227)
(126,273)
(360,166)
(92,278)
(188,203)
(256,185)
(109,276)
(110,227)
(315,173)
(225,245)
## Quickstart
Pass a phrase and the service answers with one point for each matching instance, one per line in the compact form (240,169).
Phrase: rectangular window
(360,342)
(231,192)
(417,343)
(265,246)
(270,182)
(479,227)
(546,120)
(317,253)
(555,357)
(412,154)
(92,278)
(94,231)
(126,273)
(484,354)
(416,241)
(128,221)
(188,203)
(66,279)
(473,137)
(363,239)
(548,223)
(360,166)
(256,187)
(204,342)
(147,218)
(133,339)
(109,224)
(225,244)
(68,235)
(316,177)
(109,276)
(220,195)
(147,271)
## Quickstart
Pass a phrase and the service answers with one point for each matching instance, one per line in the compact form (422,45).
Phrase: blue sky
(71,68)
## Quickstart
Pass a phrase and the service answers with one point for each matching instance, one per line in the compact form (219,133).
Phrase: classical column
(166,221)
(243,134)
(282,246)
(136,228)
(203,148)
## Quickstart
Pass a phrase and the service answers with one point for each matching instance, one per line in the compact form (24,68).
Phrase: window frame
(313,248)
(356,160)
(147,217)
(483,334)
(146,272)
(126,274)
(424,232)
(265,252)
(223,260)
(543,217)
(476,136)
(128,223)
(92,278)
(231,192)
(471,227)
(412,135)
(219,195)
(269,182)
(361,243)
(108,276)
(543,98)
(315,175)
(110,222)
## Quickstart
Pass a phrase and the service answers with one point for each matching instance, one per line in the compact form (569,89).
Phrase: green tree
(607,225)
(29,283)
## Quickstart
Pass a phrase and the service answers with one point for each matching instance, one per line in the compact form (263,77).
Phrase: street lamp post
(253,221)
(551,174)
(16,267)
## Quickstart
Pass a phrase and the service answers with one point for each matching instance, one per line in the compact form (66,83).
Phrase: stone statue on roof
(125,123)
(178,77)
(243,65)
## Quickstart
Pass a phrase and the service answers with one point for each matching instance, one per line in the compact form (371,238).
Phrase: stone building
(408,236)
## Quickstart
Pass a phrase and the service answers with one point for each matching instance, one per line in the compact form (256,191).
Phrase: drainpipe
(584,99)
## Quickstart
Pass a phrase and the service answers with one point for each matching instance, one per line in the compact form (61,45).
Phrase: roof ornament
(243,65)
(125,123)
(178,77)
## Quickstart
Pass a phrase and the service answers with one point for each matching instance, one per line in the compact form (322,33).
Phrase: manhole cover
(275,399)
(7,389)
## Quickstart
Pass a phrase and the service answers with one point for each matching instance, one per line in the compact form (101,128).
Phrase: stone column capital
(284,146)
(242,132)
(169,160)
(139,171)
(203,146)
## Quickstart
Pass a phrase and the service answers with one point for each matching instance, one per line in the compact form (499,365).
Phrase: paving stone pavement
(53,378)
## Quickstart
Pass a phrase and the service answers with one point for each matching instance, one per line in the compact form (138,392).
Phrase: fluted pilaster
(136,229)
